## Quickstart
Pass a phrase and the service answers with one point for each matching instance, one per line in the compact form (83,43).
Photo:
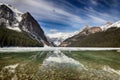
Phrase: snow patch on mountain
(14,28)
(110,25)
(17,13)
(116,24)
(18,17)
(105,27)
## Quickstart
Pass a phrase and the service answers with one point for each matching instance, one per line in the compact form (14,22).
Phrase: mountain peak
(5,8)
(116,24)
(15,20)
(3,4)
(90,30)
(109,23)
(27,13)
(106,26)
(85,27)
(11,7)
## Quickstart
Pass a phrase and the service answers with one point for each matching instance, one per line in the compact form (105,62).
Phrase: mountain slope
(17,21)
(108,38)
(13,38)
(30,25)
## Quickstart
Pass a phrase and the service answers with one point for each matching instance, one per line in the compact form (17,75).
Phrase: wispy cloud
(94,2)
(73,15)
(53,30)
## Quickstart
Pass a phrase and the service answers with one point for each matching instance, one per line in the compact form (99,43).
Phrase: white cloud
(49,11)
(97,19)
(53,30)
(94,2)
(100,16)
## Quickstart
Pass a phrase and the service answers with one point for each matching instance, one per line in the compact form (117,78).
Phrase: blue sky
(69,15)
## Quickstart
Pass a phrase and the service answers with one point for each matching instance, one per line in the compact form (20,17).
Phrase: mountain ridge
(15,20)
(95,37)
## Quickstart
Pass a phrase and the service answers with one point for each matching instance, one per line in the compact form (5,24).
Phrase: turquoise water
(60,65)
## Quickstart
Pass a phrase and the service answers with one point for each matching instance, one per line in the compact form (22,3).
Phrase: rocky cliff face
(30,25)
(93,30)
(7,16)
(13,19)
(90,30)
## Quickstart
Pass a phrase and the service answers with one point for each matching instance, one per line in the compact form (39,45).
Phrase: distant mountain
(20,23)
(59,37)
(106,26)
(104,36)
(110,25)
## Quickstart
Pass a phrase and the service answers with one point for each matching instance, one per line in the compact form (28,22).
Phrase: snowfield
(29,49)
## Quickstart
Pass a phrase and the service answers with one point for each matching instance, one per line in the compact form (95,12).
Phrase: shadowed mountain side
(12,38)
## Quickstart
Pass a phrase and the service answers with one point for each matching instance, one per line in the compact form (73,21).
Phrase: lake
(59,63)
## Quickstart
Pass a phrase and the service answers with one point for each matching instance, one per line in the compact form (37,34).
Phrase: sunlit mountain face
(69,15)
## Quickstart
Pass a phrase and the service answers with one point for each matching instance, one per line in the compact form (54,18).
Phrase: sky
(69,15)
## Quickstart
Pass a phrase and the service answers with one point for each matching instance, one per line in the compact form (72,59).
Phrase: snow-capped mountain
(21,22)
(10,17)
(104,36)
(59,37)
(106,26)
(110,25)
(116,24)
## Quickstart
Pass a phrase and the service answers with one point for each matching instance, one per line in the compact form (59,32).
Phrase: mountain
(110,25)
(21,23)
(104,36)
(106,26)
(58,37)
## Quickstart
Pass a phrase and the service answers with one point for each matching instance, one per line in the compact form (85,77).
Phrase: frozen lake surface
(29,49)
